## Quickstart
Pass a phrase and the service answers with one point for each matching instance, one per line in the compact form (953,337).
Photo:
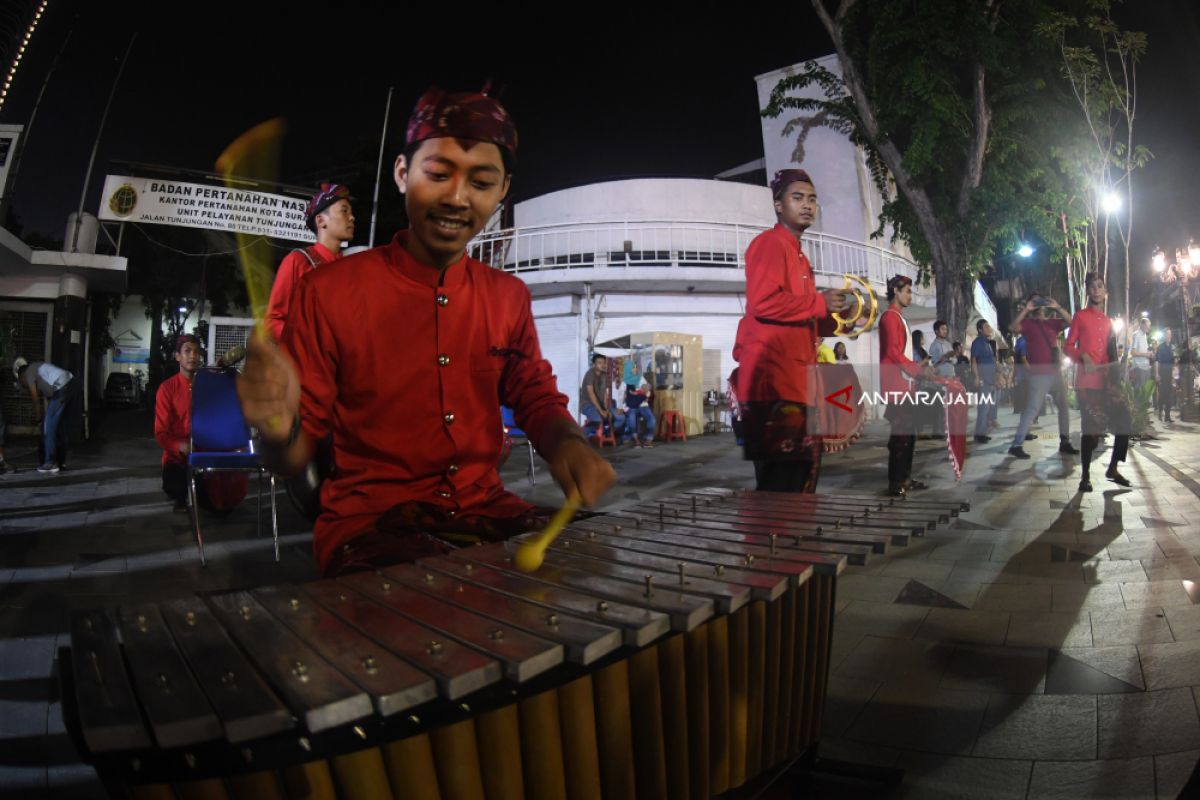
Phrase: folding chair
(510,427)
(220,442)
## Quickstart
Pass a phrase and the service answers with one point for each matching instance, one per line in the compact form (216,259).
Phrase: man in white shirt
(59,387)
(1140,355)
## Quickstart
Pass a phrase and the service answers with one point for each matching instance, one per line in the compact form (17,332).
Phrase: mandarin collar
(455,274)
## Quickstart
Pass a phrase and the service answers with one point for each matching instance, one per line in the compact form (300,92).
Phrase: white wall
(650,199)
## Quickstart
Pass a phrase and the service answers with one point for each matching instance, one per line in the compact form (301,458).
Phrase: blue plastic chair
(510,427)
(220,442)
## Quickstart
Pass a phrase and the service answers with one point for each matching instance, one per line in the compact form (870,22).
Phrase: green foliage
(917,62)
(1138,400)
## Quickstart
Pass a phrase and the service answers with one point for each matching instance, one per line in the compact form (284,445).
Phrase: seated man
(219,491)
(404,355)
(637,405)
(596,402)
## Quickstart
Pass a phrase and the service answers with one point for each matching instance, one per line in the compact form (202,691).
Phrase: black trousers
(901,444)
(771,475)
(175,484)
(1089,442)
(1166,388)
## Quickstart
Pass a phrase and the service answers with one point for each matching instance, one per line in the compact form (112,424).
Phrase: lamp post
(1185,267)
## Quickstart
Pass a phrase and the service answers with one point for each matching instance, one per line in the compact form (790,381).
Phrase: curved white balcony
(668,255)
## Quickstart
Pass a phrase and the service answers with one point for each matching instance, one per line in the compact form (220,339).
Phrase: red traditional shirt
(293,266)
(1089,333)
(173,417)
(785,312)
(894,363)
(409,377)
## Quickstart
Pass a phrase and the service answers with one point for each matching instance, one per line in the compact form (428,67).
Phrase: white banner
(198,205)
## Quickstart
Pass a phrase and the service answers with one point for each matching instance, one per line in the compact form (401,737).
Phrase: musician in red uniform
(1091,346)
(776,344)
(173,430)
(897,375)
(405,353)
(331,218)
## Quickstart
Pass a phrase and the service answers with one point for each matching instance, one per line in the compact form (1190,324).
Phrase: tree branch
(916,196)
(983,119)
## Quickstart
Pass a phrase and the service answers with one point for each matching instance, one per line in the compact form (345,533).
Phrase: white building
(648,255)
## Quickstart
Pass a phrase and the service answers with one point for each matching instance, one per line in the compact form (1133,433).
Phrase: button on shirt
(366,333)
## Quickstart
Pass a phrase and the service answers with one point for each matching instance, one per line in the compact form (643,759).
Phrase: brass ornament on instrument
(865,302)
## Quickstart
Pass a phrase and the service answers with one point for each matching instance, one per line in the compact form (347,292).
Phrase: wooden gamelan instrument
(678,649)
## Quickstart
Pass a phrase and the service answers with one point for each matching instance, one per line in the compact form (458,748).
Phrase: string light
(16,62)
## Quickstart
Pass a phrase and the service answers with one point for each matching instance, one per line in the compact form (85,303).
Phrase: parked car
(121,390)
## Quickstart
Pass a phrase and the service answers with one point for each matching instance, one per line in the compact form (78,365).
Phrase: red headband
(467,116)
(785,178)
(330,193)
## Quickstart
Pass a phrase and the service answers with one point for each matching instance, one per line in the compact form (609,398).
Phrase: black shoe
(983,439)
(1085,485)
(1169,418)
(1065,446)
(896,491)
(1029,437)
(1117,477)
(913,484)
(1018,452)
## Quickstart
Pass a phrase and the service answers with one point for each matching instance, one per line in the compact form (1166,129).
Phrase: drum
(678,649)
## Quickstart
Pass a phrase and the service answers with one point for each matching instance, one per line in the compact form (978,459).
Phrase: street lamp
(1024,251)
(1110,203)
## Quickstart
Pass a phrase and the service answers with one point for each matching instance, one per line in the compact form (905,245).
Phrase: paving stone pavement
(1043,644)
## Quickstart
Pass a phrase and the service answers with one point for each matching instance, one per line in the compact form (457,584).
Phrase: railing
(669,245)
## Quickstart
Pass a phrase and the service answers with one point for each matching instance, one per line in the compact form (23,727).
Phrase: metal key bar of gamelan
(684,611)
(522,655)
(247,707)
(864,528)
(639,626)
(807,516)
(795,567)
(953,506)
(393,684)
(856,514)
(716,527)
(883,507)
(109,719)
(714,552)
(174,704)
(583,642)
(456,669)
(822,563)
(687,572)
(820,530)
(778,547)
(320,695)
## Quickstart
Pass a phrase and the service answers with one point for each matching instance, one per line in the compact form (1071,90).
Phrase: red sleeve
(169,429)
(527,385)
(286,278)
(1071,346)
(311,343)
(766,298)
(893,344)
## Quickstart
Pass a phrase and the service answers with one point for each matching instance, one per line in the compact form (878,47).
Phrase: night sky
(649,94)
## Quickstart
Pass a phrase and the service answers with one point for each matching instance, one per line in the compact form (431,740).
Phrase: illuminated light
(1110,203)
(1160,261)
(1118,325)
(182,309)
(1194,253)
(1066,361)
(1024,251)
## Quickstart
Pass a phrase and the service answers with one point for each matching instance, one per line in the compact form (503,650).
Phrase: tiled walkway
(1044,645)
